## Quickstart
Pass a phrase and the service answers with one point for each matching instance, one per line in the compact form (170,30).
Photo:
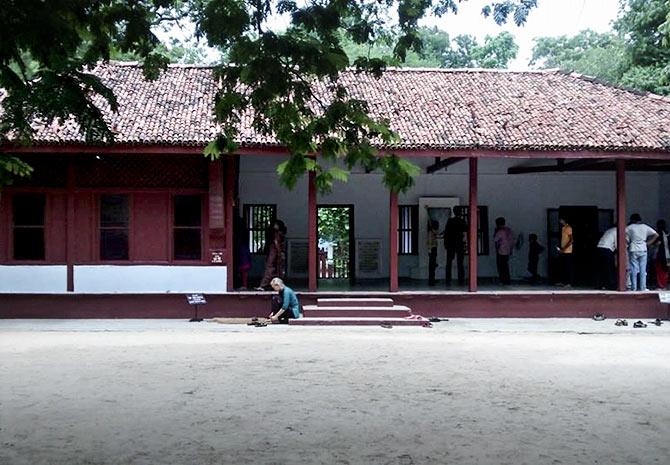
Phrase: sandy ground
(464,392)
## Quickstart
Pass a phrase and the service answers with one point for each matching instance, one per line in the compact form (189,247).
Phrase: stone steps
(357,321)
(358,311)
(394,311)
(354,302)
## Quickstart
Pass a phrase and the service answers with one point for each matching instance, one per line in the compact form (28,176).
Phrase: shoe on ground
(639,324)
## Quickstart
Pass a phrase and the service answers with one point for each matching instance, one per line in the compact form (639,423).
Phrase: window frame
(248,229)
(174,227)
(483,248)
(99,228)
(14,227)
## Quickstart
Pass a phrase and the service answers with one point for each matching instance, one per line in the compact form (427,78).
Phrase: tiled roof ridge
(410,69)
(596,80)
(395,69)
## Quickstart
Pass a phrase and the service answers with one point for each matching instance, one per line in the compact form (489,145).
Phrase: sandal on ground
(639,324)
(656,322)
(434,319)
(386,325)
(621,322)
(599,317)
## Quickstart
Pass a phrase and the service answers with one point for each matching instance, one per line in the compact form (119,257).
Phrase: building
(127,229)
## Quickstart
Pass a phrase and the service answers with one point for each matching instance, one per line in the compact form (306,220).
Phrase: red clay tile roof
(430,109)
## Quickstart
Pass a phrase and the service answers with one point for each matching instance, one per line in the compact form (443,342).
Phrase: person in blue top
(285,304)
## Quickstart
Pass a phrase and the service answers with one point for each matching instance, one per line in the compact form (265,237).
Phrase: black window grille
(408,229)
(462,211)
(28,221)
(258,219)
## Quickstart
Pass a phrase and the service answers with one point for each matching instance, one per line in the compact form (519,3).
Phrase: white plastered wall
(147,279)
(33,279)
(522,199)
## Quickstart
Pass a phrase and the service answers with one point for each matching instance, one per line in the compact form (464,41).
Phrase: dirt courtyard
(464,392)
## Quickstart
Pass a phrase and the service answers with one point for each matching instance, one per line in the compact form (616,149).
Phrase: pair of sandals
(642,324)
(257,323)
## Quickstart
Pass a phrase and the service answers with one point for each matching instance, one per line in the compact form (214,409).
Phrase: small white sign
(664,297)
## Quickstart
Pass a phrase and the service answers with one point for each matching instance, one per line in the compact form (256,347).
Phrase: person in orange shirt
(565,255)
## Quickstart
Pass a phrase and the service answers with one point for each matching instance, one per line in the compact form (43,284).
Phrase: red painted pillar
(621,224)
(472,228)
(229,220)
(393,242)
(69,222)
(312,257)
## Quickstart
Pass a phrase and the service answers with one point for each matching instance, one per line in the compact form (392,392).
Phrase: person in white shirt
(606,275)
(638,237)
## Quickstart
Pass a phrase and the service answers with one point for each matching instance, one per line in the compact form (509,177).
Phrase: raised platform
(485,304)
(346,311)
(357,321)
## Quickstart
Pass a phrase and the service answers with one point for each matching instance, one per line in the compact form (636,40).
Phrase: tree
(268,74)
(44,54)
(439,51)
(640,24)
(633,55)
(602,55)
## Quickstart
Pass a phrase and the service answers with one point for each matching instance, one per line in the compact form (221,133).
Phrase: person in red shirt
(503,241)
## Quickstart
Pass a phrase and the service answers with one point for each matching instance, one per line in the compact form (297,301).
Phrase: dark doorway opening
(588,223)
(335,238)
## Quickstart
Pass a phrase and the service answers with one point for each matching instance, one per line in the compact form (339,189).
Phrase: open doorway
(588,223)
(335,236)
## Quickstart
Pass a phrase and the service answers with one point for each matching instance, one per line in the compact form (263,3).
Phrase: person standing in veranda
(566,259)
(534,251)
(606,274)
(433,233)
(454,243)
(504,242)
(274,263)
(662,261)
(639,237)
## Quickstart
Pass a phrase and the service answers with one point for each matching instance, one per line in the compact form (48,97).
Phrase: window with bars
(114,227)
(187,227)
(257,220)
(408,229)
(462,211)
(28,221)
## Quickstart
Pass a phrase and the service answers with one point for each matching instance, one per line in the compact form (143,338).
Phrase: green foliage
(333,224)
(11,168)
(439,51)
(46,49)
(634,54)
(602,55)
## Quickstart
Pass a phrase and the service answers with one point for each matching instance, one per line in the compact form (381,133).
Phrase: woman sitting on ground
(285,304)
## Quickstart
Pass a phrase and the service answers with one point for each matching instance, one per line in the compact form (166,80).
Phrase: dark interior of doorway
(588,223)
(335,236)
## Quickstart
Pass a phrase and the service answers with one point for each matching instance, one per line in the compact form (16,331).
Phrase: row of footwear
(638,323)
(622,322)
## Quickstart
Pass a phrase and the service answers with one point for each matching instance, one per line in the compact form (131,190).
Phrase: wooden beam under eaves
(561,165)
(442,163)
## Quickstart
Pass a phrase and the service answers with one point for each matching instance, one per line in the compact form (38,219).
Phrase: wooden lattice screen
(48,171)
(142,172)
